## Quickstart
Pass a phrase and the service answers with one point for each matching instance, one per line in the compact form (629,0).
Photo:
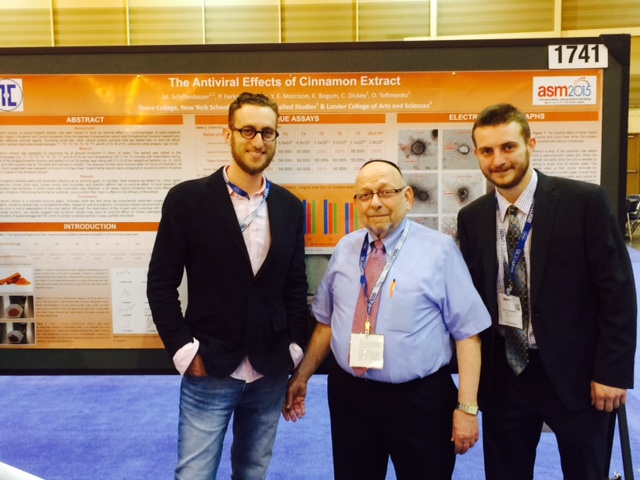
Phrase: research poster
(86,161)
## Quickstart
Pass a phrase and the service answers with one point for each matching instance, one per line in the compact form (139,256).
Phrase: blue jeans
(206,406)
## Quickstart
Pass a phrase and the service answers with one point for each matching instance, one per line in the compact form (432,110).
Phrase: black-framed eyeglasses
(383,194)
(268,134)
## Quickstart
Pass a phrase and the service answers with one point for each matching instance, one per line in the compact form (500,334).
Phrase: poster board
(94,137)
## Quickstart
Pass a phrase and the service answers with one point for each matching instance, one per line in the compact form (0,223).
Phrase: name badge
(366,351)
(510,311)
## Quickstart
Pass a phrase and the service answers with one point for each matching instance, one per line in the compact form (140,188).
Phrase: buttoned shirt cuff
(296,354)
(183,357)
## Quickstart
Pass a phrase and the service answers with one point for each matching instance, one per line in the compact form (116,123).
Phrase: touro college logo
(11,95)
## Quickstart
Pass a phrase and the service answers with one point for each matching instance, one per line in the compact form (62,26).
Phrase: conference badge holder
(510,311)
(367,350)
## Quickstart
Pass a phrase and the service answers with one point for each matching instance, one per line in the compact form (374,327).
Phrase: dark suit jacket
(230,311)
(582,290)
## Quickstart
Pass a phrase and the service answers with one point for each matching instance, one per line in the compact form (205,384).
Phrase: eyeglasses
(382,194)
(268,134)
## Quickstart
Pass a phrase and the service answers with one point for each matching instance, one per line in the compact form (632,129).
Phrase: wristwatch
(468,408)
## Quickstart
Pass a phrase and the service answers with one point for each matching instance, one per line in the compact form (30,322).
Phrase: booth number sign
(578,56)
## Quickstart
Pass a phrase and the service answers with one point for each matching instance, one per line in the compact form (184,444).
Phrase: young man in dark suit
(240,240)
(563,306)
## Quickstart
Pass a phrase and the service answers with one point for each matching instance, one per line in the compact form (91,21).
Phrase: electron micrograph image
(315,267)
(457,150)
(460,189)
(425,192)
(449,225)
(431,222)
(418,149)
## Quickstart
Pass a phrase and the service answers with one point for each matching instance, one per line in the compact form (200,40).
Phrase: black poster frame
(471,55)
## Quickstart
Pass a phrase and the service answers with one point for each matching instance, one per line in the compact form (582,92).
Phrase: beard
(519,171)
(254,168)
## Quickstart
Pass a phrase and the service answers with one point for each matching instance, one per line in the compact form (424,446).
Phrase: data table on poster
(325,151)
(329,150)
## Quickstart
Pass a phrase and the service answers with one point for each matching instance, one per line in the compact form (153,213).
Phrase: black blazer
(582,289)
(230,311)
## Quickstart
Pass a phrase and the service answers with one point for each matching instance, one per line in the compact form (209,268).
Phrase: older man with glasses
(393,295)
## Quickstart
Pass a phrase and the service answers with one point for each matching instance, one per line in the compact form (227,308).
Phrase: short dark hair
(246,98)
(500,114)
(383,161)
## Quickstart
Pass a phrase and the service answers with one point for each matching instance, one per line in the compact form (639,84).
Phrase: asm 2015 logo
(11,95)
(564,90)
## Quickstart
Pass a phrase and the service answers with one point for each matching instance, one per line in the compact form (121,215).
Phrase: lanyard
(517,254)
(363,279)
(249,218)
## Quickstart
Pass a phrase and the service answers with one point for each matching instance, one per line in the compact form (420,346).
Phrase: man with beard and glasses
(549,260)
(240,240)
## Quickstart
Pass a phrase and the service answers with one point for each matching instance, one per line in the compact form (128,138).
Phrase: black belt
(377,384)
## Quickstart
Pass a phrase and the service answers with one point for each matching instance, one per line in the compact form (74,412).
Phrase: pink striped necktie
(375,265)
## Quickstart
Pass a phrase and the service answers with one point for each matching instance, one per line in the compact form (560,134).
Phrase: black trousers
(512,423)
(411,423)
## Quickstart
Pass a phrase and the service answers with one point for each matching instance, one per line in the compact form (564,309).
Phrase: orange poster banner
(306,93)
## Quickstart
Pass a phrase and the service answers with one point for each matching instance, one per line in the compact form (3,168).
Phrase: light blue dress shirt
(433,298)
